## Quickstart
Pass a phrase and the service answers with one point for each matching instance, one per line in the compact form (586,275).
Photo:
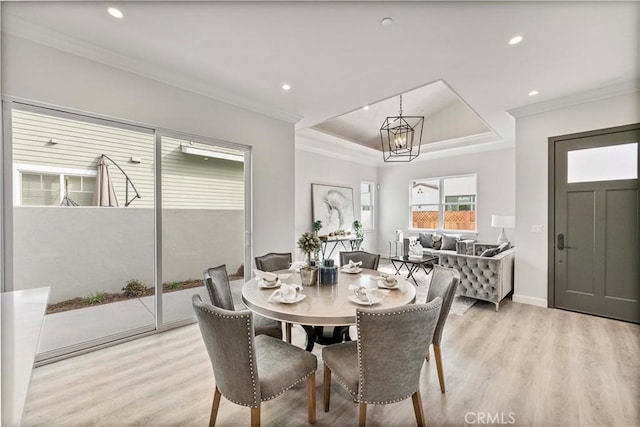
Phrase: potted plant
(317,226)
(357,228)
(309,243)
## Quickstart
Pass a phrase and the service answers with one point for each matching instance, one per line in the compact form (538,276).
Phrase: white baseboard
(539,302)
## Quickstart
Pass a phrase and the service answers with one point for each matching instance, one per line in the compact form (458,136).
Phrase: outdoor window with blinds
(50,189)
(447,203)
(366,205)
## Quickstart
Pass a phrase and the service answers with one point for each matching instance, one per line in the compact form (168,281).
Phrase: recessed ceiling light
(515,40)
(533,93)
(286,86)
(386,21)
(116,13)
(365,108)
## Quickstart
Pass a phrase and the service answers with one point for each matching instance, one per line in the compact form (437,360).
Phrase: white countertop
(22,313)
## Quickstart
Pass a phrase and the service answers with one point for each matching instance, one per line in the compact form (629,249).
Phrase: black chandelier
(401,137)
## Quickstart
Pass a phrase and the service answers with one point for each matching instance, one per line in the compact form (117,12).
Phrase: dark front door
(594,227)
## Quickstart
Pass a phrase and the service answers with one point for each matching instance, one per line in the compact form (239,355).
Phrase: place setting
(387,282)
(288,294)
(267,280)
(366,296)
(352,267)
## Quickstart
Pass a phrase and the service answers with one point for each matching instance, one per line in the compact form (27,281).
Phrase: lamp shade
(503,221)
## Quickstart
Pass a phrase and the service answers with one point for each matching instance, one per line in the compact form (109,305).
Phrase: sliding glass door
(118,220)
(83,224)
(203,218)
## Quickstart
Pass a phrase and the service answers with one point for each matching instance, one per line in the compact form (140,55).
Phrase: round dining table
(325,304)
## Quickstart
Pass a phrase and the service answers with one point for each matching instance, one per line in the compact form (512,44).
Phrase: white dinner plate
(279,298)
(263,285)
(384,285)
(372,300)
(356,271)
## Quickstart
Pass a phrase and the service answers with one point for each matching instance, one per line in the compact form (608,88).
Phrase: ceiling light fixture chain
(401,137)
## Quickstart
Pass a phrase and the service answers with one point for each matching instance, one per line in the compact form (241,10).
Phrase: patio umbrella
(104,194)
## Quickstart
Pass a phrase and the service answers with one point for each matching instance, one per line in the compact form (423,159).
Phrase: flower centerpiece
(309,243)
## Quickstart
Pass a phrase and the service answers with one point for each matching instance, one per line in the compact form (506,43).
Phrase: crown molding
(317,142)
(314,141)
(22,28)
(577,99)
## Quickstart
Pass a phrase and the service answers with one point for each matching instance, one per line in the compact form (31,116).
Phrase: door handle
(560,243)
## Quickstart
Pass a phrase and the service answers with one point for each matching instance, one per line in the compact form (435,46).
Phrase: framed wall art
(333,205)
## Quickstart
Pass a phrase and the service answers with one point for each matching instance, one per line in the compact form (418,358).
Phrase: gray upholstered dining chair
(217,282)
(273,261)
(387,339)
(249,370)
(369,260)
(444,282)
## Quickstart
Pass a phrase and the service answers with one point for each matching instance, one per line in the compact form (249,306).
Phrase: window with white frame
(445,203)
(48,186)
(367,205)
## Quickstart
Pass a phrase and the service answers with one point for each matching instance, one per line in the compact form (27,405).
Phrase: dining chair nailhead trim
(342,381)
(360,372)
(291,386)
(256,402)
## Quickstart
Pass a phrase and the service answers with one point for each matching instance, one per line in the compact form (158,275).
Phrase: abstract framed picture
(333,205)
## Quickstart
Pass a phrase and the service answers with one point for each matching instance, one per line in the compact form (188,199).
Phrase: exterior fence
(453,220)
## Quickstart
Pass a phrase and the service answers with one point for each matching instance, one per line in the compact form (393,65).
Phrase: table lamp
(503,221)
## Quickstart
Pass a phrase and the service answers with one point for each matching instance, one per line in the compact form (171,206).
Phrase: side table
(413,264)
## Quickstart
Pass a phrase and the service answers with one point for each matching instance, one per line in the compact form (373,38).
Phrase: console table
(352,241)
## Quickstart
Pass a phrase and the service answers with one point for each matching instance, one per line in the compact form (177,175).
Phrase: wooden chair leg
(417,408)
(311,397)
(327,387)
(287,331)
(255,416)
(214,407)
(363,415)
(436,352)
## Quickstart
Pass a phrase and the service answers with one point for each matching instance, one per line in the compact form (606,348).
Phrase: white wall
(316,168)
(532,133)
(36,72)
(496,190)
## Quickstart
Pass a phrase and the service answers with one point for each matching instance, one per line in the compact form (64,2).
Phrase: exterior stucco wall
(78,251)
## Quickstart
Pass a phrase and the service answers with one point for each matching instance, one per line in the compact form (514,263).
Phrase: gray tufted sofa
(483,278)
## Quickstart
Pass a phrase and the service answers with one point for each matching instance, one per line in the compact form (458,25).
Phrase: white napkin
(268,276)
(296,266)
(370,294)
(384,279)
(287,292)
(354,265)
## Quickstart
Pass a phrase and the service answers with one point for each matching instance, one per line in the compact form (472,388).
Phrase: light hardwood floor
(523,365)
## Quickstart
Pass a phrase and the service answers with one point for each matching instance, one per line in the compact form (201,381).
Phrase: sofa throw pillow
(490,252)
(449,242)
(503,247)
(437,241)
(426,240)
